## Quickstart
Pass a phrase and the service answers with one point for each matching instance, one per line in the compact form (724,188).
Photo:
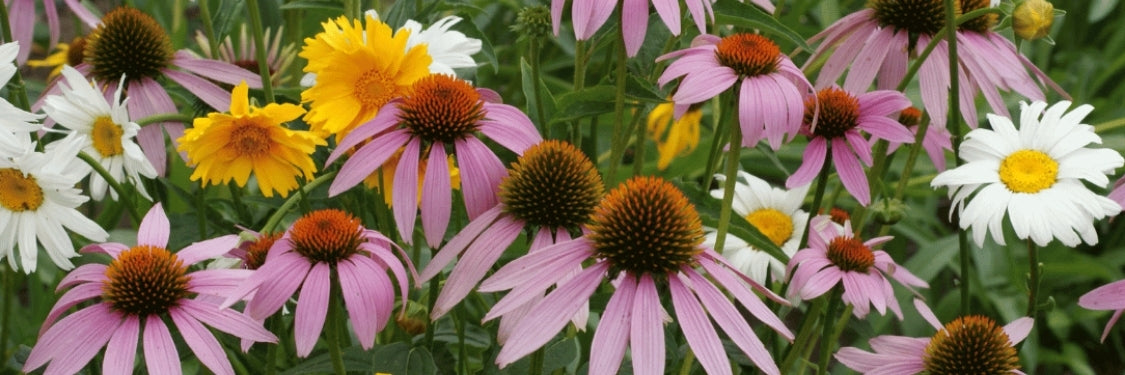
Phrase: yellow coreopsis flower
(358,68)
(224,147)
(673,137)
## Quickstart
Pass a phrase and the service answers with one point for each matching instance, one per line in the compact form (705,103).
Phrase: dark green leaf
(733,12)
(314,4)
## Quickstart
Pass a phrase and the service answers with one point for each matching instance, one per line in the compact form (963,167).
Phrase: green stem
(954,124)
(166,117)
(639,146)
(618,142)
(536,367)
(294,30)
(874,176)
(832,331)
(718,140)
(208,28)
(274,324)
(689,359)
(8,278)
(908,168)
(124,197)
(462,351)
(533,60)
(804,335)
(579,84)
(432,296)
(240,207)
(1109,125)
(333,330)
(731,173)
(275,219)
(260,47)
(351,9)
(1033,282)
(821,185)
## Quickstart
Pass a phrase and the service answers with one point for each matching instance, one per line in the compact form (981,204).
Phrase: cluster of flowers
(405,123)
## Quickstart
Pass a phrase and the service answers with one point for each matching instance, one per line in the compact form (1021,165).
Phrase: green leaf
(709,210)
(528,83)
(732,12)
(335,6)
(473,31)
(642,90)
(1100,9)
(399,358)
(561,354)
(591,101)
(355,359)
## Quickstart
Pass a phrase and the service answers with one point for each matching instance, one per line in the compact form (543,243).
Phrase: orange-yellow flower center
(915,16)
(646,225)
(910,116)
(19,192)
(1028,171)
(106,136)
(128,42)
(776,225)
(979,24)
(441,108)
(850,254)
(748,54)
(970,345)
(838,216)
(552,185)
(374,88)
(326,235)
(145,280)
(839,112)
(249,139)
(76,52)
(257,250)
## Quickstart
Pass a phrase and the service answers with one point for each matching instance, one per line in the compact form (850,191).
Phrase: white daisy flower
(37,201)
(103,129)
(16,124)
(774,212)
(1034,174)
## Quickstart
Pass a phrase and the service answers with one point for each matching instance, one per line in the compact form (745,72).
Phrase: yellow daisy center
(374,88)
(106,136)
(441,108)
(970,345)
(19,192)
(326,235)
(250,139)
(1028,171)
(646,225)
(839,112)
(748,54)
(916,16)
(145,280)
(128,42)
(850,254)
(553,185)
(776,225)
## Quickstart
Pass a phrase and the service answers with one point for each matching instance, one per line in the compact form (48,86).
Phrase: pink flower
(321,246)
(967,342)
(835,256)
(841,117)
(770,88)
(144,283)
(440,111)
(1106,297)
(935,141)
(550,190)
(589,15)
(129,41)
(21,14)
(646,208)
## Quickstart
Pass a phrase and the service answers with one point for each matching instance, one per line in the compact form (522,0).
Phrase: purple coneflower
(440,111)
(1106,297)
(322,246)
(23,19)
(645,238)
(770,88)
(141,286)
(836,256)
(972,344)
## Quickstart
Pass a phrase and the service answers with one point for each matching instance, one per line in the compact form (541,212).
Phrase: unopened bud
(888,211)
(533,22)
(1032,19)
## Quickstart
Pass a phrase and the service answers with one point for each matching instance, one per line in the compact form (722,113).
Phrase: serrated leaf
(732,12)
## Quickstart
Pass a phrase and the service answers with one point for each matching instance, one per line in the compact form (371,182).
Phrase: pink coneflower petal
(551,314)
(151,100)
(844,53)
(362,295)
(226,320)
(217,282)
(217,70)
(208,92)
(481,172)
(589,15)
(312,307)
(881,103)
(1109,325)
(436,197)
(460,242)
(289,272)
(82,13)
(707,84)
(122,348)
(867,62)
(83,274)
(153,230)
(851,172)
(669,12)
(208,249)
(1018,329)
(385,119)
(386,260)
(859,145)
(752,113)
(159,349)
(821,282)
(647,332)
(812,161)
(509,127)
(697,329)
(366,159)
(699,10)
(895,63)
(731,321)
(697,58)
(610,339)
(202,342)
(71,298)
(384,292)
(634,24)
(108,248)
(405,191)
(752,303)
(556,14)
(478,258)
(535,283)
(527,268)
(74,340)
(1105,297)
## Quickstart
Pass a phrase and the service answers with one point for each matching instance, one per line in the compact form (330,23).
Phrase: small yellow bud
(1032,19)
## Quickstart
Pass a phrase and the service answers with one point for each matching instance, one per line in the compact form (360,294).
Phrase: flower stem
(165,117)
(275,219)
(208,28)
(351,9)
(1033,280)
(954,124)
(533,60)
(260,48)
(804,335)
(536,366)
(579,84)
(124,197)
(821,185)
(8,279)
(334,320)
(274,324)
(430,327)
(731,173)
(832,330)
(689,359)
(618,142)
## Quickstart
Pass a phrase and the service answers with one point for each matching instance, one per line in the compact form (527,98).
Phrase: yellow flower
(358,69)
(682,135)
(1032,19)
(65,54)
(385,176)
(224,147)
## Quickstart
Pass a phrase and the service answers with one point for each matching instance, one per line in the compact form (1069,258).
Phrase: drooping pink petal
(216,70)
(386,260)
(206,91)
(71,298)
(227,320)
(86,273)
(868,61)
(312,307)
(405,192)
(1106,297)
(122,348)
(542,277)
(528,267)
(207,249)
(1109,325)
(646,334)
(1018,330)
(385,119)
(882,102)
(811,163)
(477,260)
(556,14)
(154,228)
(82,13)
(731,321)
(108,248)
(704,85)
(850,172)
(148,98)
(844,54)
(481,172)
(202,343)
(367,159)
(159,349)
(551,315)
(695,7)
(460,242)
(697,329)
(589,15)
(634,24)
(927,314)
(437,196)
(509,127)
(217,282)
(669,11)
(359,279)
(691,60)
(885,128)
(275,285)
(74,340)
(612,336)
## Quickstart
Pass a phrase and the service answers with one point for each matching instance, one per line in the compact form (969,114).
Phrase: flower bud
(1032,19)
(888,211)
(533,22)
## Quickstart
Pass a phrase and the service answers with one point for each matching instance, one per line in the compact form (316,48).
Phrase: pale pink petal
(704,85)
(1109,325)
(86,273)
(460,242)
(385,119)
(634,24)
(208,249)
(154,228)
(405,191)
(227,320)
(589,15)
(695,7)
(216,70)
(509,127)
(895,63)
(22,24)
(868,61)
(437,196)
(367,159)
(359,282)
(886,128)
(612,336)
(122,348)
(108,248)
(726,278)
(477,260)
(218,282)
(669,11)
(646,335)
(845,53)
(52,12)
(86,330)
(276,284)
(551,314)
(71,298)
(927,314)
(159,349)
(851,172)
(860,146)
(731,321)
(754,114)
(206,91)
(386,260)
(1018,330)
(148,98)
(312,307)
(882,103)
(544,275)
(1106,297)
(527,267)
(691,60)
(820,283)
(201,342)
(82,13)
(697,329)
(481,172)
(556,14)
